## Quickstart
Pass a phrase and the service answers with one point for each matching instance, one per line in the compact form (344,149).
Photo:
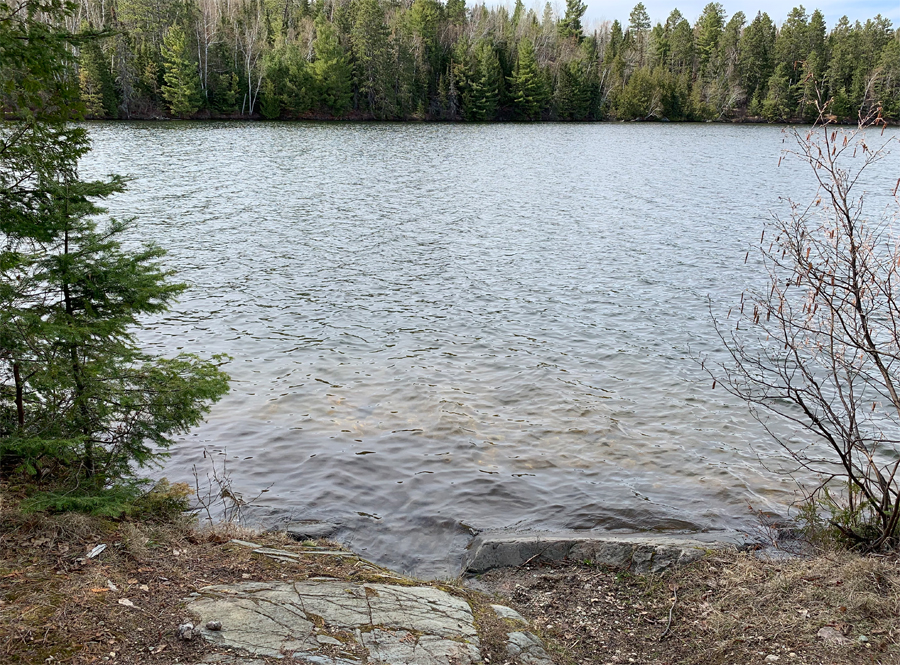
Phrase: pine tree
(182,80)
(757,56)
(575,90)
(779,104)
(638,27)
(570,26)
(526,85)
(710,26)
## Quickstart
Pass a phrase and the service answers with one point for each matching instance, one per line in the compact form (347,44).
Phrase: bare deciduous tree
(819,346)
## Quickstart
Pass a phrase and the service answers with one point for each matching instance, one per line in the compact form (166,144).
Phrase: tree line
(428,60)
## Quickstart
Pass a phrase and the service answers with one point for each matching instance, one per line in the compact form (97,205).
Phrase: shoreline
(364,119)
(126,604)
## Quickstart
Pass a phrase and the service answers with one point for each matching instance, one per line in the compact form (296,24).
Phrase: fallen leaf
(99,590)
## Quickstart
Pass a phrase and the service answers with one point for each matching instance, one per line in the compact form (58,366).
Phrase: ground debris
(732,608)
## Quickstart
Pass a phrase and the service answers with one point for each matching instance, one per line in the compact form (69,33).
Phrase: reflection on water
(443,328)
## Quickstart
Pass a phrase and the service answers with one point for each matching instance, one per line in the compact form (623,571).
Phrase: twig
(533,558)
(671,611)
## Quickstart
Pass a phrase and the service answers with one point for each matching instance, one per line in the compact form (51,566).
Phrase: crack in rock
(396,625)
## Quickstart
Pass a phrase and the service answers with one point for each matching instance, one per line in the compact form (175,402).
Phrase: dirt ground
(124,605)
(728,608)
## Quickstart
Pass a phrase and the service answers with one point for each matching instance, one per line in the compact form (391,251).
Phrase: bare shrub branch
(818,347)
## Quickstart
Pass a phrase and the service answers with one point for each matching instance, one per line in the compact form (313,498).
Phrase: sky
(600,10)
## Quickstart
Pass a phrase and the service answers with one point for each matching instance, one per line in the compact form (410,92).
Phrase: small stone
(326,639)
(505,612)
(829,634)
(772,658)
(862,639)
(213,625)
(310,530)
(186,631)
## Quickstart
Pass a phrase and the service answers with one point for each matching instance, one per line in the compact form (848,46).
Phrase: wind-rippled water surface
(437,327)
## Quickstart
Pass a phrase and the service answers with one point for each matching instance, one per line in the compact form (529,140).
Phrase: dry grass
(55,603)
(731,608)
(738,601)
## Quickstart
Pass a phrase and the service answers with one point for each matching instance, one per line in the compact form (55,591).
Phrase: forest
(428,60)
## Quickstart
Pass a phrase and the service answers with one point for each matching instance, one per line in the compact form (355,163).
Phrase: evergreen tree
(710,26)
(757,56)
(456,11)
(527,90)
(369,39)
(576,90)
(779,104)
(681,59)
(792,44)
(570,26)
(331,71)
(638,27)
(82,407)
(98,91)
(182,80)
(484,88)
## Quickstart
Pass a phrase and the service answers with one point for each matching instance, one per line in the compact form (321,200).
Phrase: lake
(436,329)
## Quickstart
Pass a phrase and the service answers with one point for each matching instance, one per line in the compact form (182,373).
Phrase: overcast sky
(600,10)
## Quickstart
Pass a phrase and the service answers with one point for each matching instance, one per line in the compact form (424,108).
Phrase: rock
(185,631)
(398,649)
(640,553)
(229,659)
(862,639)
(527,648)
(400,625)
(772,658)
(310,530)
(327,639)
(245,543)
(213,625)
(830,635)
(509,613)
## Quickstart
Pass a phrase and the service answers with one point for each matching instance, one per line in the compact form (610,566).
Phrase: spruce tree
(98,91)
(82,407)
(331,71)
(484,88)
(526,85)
(369,39)
(182,80)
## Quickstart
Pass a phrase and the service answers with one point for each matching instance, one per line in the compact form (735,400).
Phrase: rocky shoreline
(170,592)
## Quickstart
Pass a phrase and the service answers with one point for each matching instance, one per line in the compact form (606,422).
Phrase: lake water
(438,328)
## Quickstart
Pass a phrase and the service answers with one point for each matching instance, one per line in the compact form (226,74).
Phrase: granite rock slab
(394,625)
(639,553)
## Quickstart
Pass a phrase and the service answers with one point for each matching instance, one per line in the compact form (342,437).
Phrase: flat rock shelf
(639,553)
(328,621)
